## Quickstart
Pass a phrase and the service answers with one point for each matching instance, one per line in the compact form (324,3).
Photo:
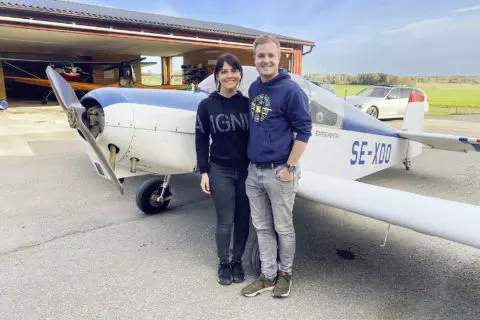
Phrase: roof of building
(83,10)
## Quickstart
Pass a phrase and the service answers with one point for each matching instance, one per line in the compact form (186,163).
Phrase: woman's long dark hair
(232,61)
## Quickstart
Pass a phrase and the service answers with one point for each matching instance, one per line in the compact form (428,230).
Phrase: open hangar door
(198,58)
(23,68)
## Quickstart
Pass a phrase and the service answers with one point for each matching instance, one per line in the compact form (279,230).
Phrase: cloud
(167,11)
(416,26)
(439,46)
(462,10)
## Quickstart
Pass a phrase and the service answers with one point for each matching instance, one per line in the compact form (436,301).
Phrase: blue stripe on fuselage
(359,121)
(178,99)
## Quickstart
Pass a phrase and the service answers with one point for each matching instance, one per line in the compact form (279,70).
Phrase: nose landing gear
(154,195)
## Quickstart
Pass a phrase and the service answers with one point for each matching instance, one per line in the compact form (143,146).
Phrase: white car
(385,102)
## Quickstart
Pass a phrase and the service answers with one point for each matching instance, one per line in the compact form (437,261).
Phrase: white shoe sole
(258,292)
(285,294)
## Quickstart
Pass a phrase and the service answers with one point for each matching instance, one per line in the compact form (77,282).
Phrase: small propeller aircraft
(76,77)
(144,132)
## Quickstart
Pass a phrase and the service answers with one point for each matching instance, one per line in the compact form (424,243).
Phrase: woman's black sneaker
(224,273)
(238,274)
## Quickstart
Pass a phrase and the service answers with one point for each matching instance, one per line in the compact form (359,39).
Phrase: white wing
(443,141)
(450,220)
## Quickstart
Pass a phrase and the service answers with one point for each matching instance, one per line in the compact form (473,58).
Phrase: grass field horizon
(444,98)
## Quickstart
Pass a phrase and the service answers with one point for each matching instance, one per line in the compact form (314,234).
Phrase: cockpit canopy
(325,108)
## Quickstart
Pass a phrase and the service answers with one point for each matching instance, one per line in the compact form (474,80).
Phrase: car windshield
(376,92)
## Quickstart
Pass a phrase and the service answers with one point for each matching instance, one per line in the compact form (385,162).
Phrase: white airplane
(145,132)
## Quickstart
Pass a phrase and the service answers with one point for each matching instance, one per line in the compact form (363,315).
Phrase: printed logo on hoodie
(260,107)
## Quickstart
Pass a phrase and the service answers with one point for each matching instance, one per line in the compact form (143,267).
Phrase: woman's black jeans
(227,186)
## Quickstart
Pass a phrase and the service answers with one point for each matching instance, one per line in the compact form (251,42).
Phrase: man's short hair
(265,39)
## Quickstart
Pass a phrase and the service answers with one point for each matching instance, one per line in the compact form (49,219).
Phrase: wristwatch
(290,167)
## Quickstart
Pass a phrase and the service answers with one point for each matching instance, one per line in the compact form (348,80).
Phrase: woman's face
(228,77)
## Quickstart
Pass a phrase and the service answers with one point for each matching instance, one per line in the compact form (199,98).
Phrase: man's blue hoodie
(278,108)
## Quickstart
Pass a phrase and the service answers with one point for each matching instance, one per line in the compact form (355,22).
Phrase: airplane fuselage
(162,138)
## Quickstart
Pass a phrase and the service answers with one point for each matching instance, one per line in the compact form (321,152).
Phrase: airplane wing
(162,86)
(76,85)
(443,141)
(450,220)
(83,86)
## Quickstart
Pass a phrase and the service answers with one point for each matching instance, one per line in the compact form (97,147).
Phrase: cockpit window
(325,107)
(323,116)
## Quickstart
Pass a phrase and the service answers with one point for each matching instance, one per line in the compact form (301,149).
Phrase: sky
(406,37)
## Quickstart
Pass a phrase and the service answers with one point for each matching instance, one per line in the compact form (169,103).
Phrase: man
(280,127)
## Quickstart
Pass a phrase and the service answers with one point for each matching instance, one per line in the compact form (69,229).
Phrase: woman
(223,117)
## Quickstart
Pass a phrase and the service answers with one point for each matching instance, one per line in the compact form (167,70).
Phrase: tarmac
(71,247)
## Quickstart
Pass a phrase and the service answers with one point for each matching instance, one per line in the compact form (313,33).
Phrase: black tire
(255,262)
(144,196)
(373,111)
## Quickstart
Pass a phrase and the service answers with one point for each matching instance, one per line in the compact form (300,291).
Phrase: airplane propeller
(123,64)
(75,112)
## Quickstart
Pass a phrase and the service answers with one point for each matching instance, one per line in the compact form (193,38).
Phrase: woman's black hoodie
(226,121)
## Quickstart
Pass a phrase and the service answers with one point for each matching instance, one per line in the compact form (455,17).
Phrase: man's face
(267,58)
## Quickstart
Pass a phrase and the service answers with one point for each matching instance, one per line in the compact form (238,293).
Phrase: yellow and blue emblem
(260,107)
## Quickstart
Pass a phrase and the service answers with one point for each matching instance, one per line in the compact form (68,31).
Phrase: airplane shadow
(400,175)
(339,254)
(412,276)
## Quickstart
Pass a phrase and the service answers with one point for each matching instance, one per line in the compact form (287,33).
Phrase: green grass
(452,95)
(442,111)
(155,80)
(351,90)
(461,98)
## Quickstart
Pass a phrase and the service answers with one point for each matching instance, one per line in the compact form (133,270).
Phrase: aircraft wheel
(255,259)
(373,111)
(44,101)
(148,194)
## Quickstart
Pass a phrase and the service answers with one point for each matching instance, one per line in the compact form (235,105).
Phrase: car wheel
(373,111)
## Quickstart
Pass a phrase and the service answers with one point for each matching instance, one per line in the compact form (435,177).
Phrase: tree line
(389,79)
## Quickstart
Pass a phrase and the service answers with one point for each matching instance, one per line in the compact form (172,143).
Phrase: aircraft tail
(415,113)
(414,121)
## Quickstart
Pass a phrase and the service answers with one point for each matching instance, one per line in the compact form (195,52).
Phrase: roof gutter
(75,26)
(309,50)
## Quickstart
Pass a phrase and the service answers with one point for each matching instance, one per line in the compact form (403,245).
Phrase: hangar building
(61,30)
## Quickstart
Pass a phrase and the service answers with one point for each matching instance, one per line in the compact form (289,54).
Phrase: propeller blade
(129,62)
(147,64)
(134,61)
(69,102)
(110,68)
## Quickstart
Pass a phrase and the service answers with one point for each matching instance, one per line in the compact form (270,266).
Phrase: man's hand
(205,183)
(285,175)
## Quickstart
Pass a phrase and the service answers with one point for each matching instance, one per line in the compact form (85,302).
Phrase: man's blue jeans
(271,206)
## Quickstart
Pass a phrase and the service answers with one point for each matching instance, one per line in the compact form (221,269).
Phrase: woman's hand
(205,183)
